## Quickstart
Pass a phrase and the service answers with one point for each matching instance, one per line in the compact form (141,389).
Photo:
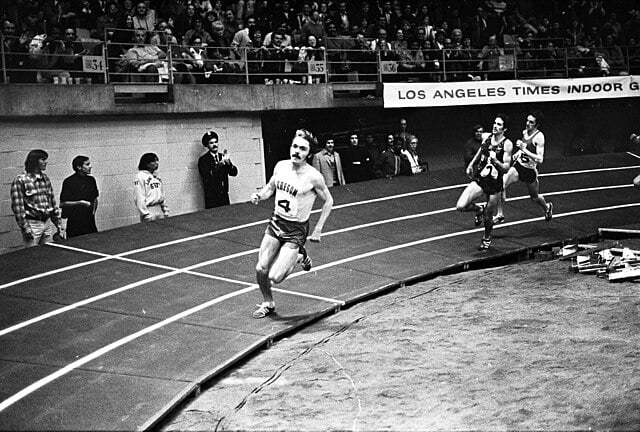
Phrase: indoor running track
(113,330)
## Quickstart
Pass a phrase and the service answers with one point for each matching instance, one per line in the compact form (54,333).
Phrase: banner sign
(406,95)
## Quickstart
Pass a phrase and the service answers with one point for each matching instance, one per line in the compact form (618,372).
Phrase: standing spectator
(478,28)
(79,199)
(328,162)
(472,145)
(33,202)
(215,169)
(358,165)
(392,162)
(241,38)
(313,27)
(403,134)
(149,196)
(411,153)
(490,58)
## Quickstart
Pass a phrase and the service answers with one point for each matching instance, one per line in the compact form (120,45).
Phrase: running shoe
(263,310)
(498,220)
(548,213)
(478,219)
(305,260)
(485,244)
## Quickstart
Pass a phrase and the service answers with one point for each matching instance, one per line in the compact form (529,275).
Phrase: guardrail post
(4,63)
(105,55)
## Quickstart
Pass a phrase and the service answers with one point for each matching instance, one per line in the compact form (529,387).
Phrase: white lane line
(52,272)
(311,296)
(634,155)
(397,219)
(149,264)
(588,171)
(84,360)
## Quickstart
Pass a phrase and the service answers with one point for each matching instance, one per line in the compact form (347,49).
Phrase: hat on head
(207,137)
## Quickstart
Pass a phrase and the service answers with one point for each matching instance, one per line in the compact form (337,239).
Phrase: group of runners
(296,184)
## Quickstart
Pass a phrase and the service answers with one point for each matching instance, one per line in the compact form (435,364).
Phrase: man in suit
(215,168)
(328,162)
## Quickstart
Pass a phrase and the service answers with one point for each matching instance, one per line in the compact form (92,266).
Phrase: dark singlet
(488,176)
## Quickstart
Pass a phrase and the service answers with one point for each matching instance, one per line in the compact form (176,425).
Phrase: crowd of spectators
(477,39)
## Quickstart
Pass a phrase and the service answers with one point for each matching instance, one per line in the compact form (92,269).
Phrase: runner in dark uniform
(490,163)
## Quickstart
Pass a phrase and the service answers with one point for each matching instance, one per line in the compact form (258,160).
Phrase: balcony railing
(92,62)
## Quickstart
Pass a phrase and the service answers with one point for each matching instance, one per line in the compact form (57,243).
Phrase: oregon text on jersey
(286,187)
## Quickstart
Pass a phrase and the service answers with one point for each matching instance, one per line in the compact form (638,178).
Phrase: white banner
(405,95)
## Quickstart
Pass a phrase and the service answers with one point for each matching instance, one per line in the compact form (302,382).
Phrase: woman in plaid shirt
(33,202)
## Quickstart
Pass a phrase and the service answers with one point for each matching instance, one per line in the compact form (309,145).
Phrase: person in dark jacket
(215,168)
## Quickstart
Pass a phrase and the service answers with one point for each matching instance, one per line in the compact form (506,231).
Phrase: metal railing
(40,60)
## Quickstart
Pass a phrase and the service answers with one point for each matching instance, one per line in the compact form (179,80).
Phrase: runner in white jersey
(530,153)
(296,185)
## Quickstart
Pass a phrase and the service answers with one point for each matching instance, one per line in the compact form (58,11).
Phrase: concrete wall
(115,144)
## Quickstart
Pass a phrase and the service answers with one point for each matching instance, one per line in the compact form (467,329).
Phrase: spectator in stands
(633,48)
(285,15)
(314,27)
(275,59)
(256,54)
(199,32)
(612,53)
(381,45)
(163,36)
(304,16)
(363,60)
(173,9)
(241,37)
(144,59)
(33,202)
(73,50)
(230,26)
(357,162)
(631,27)
(15,53)
(490,58)
(143,18)
(416,165)
(412,64)
(286,37)
(201,66)
(343,19)
(45,55)
(59,13)
(337,52)
(551,61)
(472,145)
(399,44)
(478,28)
(88,13)
(182,62)
(112,19)
(328,162)
(79,199)
(187,21)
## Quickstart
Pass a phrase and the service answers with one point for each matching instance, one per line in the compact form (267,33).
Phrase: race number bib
(489,171)
(286,206)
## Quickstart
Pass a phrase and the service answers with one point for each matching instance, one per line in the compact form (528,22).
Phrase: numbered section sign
(93,64)
(389,67)
(316,67)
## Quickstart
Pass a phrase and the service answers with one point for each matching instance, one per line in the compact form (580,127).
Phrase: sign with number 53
(93,64)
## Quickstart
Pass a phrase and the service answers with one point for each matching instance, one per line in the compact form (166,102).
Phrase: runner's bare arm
(266,191)
(538,156)
(473,162)
(323,192)
(505,163)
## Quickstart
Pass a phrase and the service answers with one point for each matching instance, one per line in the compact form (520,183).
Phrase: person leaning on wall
(215,168)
